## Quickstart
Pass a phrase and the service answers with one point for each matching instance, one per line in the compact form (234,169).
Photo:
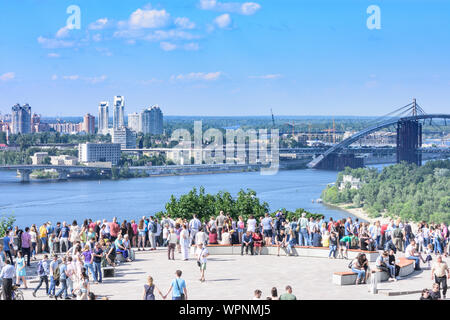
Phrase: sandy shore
(360,213)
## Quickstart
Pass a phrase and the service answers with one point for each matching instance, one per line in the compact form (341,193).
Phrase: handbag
(198,261)
(182,294)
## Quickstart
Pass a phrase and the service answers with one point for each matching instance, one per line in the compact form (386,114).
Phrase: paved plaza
(236,277)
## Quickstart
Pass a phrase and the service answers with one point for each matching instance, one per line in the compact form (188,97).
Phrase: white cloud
(191,46)
(223,20)
(104,51)
(211,76)
(99,24)
(91,80)
(145,19)
(167,46)
(54,43)
(63,32)
(95,80)
(267,76)
(72,77)
(160,35)
(250,8)
(184,23)
(7,76)
(247,8)
(53,55)
(97,37)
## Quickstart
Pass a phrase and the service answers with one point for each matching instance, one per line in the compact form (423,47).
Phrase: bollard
(373,283)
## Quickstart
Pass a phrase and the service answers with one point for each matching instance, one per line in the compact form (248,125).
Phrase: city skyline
(217,58)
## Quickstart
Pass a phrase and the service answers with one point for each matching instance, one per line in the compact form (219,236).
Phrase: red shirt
(213,238)
(114,229)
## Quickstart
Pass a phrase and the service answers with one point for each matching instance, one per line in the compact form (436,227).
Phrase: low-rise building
(99,152)
(64,160)
(38,158)
(355,183)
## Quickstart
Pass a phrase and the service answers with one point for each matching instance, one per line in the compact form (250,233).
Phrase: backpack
(154,228)
(353,242)
(56,273)
(397,233)
(40,269)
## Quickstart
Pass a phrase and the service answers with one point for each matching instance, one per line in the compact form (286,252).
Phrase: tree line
(402,190)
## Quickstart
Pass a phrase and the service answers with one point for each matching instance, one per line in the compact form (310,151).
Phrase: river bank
(359,212)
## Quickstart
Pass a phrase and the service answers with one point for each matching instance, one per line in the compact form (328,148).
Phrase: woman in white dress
(74,234)
(184,242)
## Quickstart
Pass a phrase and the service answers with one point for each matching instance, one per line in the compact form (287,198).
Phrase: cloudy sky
(220,57)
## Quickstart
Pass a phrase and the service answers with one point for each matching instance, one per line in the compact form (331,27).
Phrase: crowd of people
(85,248)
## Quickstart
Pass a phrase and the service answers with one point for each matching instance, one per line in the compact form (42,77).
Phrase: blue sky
(211,57)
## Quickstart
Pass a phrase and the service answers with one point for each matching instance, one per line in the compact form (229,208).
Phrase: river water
(37,202)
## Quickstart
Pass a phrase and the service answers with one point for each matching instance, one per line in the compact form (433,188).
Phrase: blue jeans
(332,251)
(310,239)
(303,237)
(98,271)
(392,270)
(417,261)
(90,267)
(51,290)
(437,246)
(176,298)
(406,241)
(63,288)
(361,273)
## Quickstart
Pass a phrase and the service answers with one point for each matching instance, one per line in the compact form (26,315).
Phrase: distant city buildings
(148,121)
(134,122)
(99,152)
(151,121)
(124,136)
(103,117)
(21,119)
(118,112)
(67,127)
(89,124)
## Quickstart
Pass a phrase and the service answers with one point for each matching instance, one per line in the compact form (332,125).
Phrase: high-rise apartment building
(103,117)
(21,119)
(133,122)
(118,112)
(151,121)
(89,124)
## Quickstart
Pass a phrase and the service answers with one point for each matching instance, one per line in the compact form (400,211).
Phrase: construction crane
(292,125)
(332,131)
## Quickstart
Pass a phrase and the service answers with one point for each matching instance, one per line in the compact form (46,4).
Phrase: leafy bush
(5,223)
(207,205)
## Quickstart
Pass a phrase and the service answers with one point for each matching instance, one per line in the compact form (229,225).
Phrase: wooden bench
(349,277)
(301,251)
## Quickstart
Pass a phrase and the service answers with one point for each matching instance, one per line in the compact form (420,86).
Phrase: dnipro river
(37,202)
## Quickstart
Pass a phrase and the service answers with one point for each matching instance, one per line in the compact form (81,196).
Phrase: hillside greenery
(402,190)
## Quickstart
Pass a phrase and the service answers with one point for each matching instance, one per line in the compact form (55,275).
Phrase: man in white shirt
(194,226)
(200,237)
(7,274)
(411,254)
